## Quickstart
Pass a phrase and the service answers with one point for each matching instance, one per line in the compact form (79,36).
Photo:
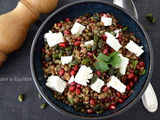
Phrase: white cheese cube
(56,83)
(116,84)
(106,21)
(84,73)
(97,85)
(123,66)
(117,32)
(134,48)
(71,79)
(77,28)
(112,41)
(66,59)
(91,42)
(53,38)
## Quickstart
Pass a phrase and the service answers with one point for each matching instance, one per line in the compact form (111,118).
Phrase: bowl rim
(40,89)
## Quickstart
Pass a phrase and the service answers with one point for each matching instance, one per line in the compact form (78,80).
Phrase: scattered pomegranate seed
(138,67)
(67,19)
(128,88)
(72,88)
(141,63)
(61,72)
(78,91)
(106,15)
(76,68)
(104,37)
(72,84)
(43,50)
(78,19)
(90,111)
(125,97)
(63,44)
(78,86)
(120,36)
(92,102)
(59,24)
(112,98)
(118,94)
(105,88)
(131,83)
(73,72)
(105,51)
(131,71)
(120,40)
(98,73)
(135,79)
(90,54)
(112,107)
(67,32)
(77,43)
(130,76)
(120,100)
(119,26)
(112,50)
(78,38)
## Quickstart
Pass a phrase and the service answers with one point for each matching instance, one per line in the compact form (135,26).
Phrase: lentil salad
(82,97)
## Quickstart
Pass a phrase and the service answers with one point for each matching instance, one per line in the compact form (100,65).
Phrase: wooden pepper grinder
(15,24)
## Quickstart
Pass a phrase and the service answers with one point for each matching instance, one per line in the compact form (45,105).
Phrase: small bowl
(75,10)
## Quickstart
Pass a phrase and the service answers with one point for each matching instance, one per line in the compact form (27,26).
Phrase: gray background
(17,66)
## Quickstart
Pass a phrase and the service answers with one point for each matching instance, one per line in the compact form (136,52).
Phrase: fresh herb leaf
(115,60)
(134,63)
(125,28)
(103,57)
(71,101)
(94,78)
(95,38)
(151,18)
(143,72)
(74,62)
(102,66)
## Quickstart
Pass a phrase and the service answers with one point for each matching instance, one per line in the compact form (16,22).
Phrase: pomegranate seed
(113,90)
(105,51)
(72,84)
(78,19)
(125,97)
(119,26)
(43,50)
(128,88)
(120,100)
(78,86)
(106,99)
(106,15)
(78,91)
(118,94)
(112,107)
(112,98)
(72,88)
(113,103)
(67,19)
(63,44)
(45,64)
(131,71)
(131,83)
(77,43)
(73,72)
(120,40)
(98,73)
(76,67)
(92,102)
(90,111)
(135,79)
(120,36)
(105,88)
(61,72)
(104,37)
(130,76)
(141,63)
(78,38)
(112,50)
(67,32)
(138,67)
(59,24)
(90,54)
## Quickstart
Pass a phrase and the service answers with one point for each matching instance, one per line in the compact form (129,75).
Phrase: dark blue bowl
(75,10)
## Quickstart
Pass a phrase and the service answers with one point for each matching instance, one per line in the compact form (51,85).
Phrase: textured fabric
(15,75)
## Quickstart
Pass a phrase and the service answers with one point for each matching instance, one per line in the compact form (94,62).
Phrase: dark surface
(17,68)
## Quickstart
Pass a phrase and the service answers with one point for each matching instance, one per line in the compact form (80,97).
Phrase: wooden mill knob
(15,24)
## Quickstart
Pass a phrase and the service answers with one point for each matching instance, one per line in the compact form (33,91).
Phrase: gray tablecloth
(15,75)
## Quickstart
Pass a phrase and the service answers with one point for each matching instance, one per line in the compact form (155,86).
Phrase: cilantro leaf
(103,57)
(101,66)
(134,63)
(115,60)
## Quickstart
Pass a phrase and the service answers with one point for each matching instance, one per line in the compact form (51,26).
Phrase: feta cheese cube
(84,73)
(112,41)
(77,28)
(134,48)
(97,85)
(56,83)
(116,84)
(91,42)
(66,59)
(106,21)
(53,38)
(117,32)
(71,79)
(123,66)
